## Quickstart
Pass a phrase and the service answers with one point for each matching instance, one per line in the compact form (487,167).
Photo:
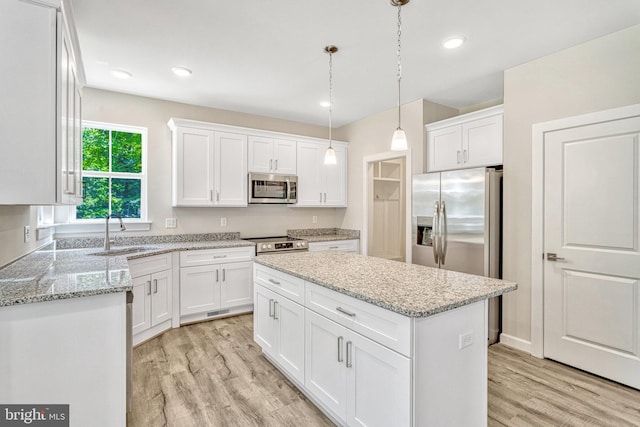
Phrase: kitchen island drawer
(194,258)
(148,265)
(280,283)
(390,329)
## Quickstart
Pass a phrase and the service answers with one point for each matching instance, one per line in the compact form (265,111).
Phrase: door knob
(553,257)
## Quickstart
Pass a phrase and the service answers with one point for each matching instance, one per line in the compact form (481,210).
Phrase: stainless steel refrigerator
(457,226)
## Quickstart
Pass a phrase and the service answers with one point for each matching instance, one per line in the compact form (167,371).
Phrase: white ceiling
(266,57)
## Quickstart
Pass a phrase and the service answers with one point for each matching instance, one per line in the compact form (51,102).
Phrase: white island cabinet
(385,343)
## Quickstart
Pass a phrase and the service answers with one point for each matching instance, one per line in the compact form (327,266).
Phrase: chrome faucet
(107,241)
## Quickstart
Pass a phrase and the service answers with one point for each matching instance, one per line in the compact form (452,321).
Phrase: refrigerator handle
(442,223)
(435,232)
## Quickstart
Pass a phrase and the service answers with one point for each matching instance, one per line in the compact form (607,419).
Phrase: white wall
(99,105)
(598,75)
(12,222)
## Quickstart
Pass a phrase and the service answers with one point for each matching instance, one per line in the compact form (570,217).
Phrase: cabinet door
(325,368)
(77,150)
(193,167)
(309,174)
(335,179)
(141,316)
(290,349)
(482,142)
(199,289)
(284,155)
(162,290)
(264,327)
(378,384)
(231,169)
(444,148)
(260,154)
(237,284)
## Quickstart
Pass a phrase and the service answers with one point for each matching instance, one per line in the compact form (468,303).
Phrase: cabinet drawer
(390,329)
(280,283)
(337,245)
(215,256)
(147,265)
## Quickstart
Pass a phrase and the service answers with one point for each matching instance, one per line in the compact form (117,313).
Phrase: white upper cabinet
(209,166)
(40,113)
(466,141)
(321,185)
(272,155)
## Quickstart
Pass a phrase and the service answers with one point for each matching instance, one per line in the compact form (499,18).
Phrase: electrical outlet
(170,223)
(465,340)
(27,233)
(314,219)
(223,222)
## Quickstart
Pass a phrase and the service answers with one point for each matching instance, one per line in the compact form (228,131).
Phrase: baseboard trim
(515,342)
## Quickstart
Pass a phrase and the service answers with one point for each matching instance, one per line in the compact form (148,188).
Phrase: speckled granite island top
(49,274)
(411,290)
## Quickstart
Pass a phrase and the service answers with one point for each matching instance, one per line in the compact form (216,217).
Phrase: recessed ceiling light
(122,74)
(181,71)
(453,42)
(325,104)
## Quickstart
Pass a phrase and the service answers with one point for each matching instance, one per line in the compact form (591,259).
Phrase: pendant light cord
(399,62)
(330,93)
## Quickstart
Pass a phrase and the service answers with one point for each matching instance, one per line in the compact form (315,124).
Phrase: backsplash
(302,232)
(96,242)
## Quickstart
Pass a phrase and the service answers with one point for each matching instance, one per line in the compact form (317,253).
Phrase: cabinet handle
(340,355)
(223,274)
(270,307)
(275,282)
(325,197)
(219,256)
(334,247)
(466,156)
(217,275)
(149,287)
(217,196)
(275,310)
(155,286)
(211,195)
(458,157)
(276,168)
(270,164)
(349,356)
(83,193)
(343,311)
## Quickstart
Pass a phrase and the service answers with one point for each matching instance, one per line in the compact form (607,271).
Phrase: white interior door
(592,224)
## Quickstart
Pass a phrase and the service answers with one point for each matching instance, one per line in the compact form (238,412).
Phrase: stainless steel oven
(279,245)
(273,188)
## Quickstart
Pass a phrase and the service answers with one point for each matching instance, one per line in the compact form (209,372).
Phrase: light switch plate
(27,233)
(223,222)
(170,222)
(465,340)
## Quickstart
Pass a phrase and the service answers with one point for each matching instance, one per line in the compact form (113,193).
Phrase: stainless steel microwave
(272,188)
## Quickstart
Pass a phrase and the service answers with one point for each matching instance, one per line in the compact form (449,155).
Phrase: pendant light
(330,155)
(399,139)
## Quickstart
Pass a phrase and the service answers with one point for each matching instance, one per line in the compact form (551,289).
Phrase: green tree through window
(112,171)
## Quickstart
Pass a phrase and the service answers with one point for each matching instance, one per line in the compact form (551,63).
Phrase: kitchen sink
(124,251)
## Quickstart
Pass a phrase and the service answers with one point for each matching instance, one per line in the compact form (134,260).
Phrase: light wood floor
(213,374)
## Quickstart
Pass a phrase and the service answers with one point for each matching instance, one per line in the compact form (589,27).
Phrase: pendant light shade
(330,155)
(399,138)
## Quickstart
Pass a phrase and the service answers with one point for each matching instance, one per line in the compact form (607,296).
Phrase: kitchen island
(377,342)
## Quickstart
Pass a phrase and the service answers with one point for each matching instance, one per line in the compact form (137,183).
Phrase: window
(113,171)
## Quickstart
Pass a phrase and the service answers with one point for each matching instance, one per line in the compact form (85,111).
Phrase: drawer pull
(343,311)
(334,247)
(275,282)
(219,256)
(340,356)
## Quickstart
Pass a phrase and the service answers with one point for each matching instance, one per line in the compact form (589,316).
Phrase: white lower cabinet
(279,330)
(360,381)
(336,245)
(152,296)
(215,282)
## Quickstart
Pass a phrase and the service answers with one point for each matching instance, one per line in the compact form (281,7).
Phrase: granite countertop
(50,274)
(329,238)
(409,289)
(324,234)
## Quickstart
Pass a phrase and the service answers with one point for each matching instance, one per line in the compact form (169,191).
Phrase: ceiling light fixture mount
(453,42)
(399,139)
(121,74)
(330,155)
(181,71)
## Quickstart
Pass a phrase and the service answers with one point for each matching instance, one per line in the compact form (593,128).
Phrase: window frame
(111,127)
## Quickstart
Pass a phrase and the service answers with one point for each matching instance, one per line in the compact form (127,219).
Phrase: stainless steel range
(271,245)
